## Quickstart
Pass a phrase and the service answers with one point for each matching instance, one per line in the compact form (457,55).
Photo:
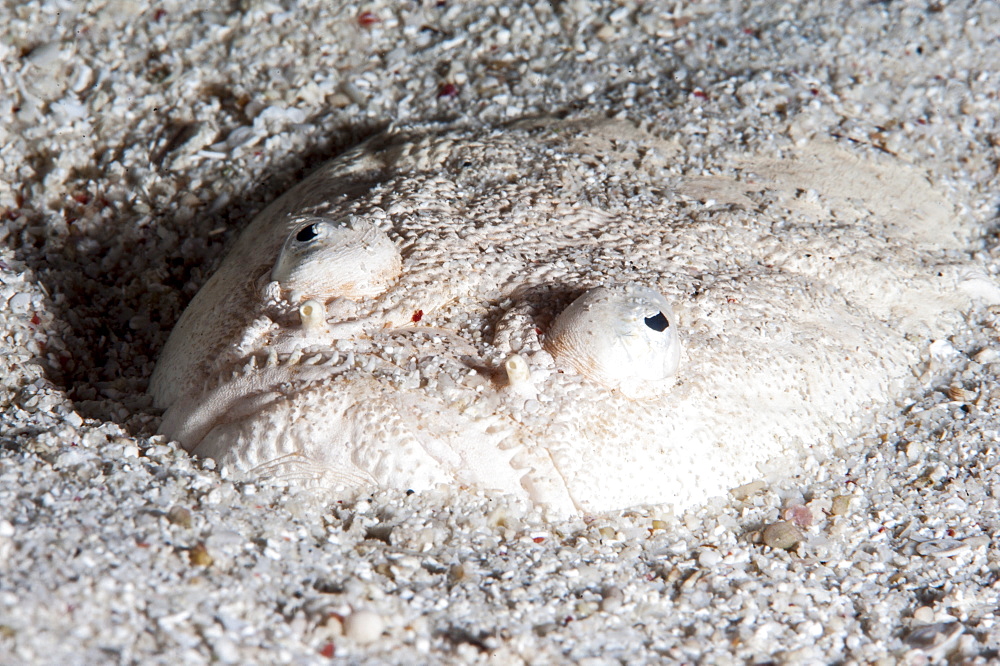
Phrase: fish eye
(657,322)
(623,337)
(324,259)
(307,233)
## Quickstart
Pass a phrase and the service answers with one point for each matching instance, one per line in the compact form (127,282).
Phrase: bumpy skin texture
(805,283)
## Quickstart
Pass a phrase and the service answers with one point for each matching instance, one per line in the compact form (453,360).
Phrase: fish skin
(807,280)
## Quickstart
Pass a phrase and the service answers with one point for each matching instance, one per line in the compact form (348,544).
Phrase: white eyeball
(323,259)
(623,337)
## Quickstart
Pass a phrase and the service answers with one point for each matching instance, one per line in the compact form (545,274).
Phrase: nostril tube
(517,369)
(519,375)
(313,316)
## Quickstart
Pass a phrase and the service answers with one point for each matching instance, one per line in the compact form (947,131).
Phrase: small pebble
(332,627)
(199,556)
(977,541)
(988,355)
(612,599)
(935,640)
(941,547)
(583,609)
(45,55)
(460,573)
(799,515)
(841,505)
(924,615)
(709,558)
(782,534)
(19,302)
(178,515)
(226,651)
(746,490)
(364,627)
(959,394)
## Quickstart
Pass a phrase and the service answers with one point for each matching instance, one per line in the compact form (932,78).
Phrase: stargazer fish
(585,313)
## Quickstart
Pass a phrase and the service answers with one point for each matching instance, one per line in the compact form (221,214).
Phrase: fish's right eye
(608,335)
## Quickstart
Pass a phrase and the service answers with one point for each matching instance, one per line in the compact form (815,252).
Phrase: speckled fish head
(553,310)
(332,389)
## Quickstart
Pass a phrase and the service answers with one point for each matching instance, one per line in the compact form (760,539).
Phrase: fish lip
(478,451)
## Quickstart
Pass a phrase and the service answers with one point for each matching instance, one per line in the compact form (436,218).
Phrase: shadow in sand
(117,289)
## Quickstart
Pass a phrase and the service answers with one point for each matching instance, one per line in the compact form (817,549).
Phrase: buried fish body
(576,312)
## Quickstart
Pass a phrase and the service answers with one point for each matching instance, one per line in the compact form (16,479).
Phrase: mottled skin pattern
(806,283)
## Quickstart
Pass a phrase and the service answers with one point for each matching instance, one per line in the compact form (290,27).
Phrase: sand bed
(136,141)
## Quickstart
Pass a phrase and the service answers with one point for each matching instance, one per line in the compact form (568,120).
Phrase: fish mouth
(402,410)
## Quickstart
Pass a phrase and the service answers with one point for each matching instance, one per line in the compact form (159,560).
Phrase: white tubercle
(313,315)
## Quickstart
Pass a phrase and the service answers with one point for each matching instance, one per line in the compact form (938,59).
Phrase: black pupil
(657,322)
(306,233)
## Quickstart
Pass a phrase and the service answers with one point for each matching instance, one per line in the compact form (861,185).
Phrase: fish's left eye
(307,233)
(324,259)
(610,336)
